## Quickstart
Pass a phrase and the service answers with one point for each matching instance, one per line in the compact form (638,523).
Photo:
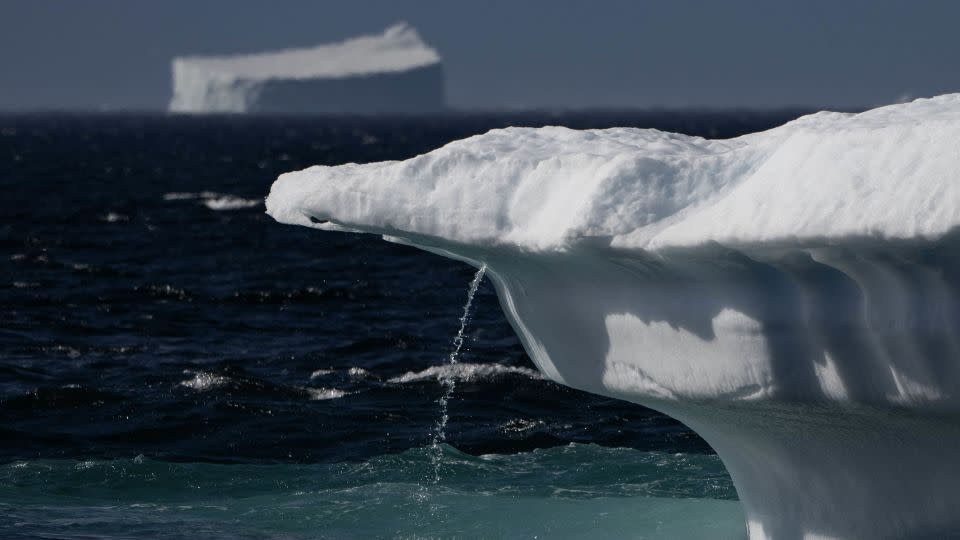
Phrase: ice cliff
(395,72)
(792,295)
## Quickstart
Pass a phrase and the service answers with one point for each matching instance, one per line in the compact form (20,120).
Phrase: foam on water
(203,381)
(461,372)
(230,202)
(186,195)
(214,201)
(324,393)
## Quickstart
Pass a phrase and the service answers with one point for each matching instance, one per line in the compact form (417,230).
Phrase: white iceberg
(792,295)
(394,72)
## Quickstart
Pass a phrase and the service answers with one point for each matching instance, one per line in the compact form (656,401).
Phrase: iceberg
(395,72)
(792,295)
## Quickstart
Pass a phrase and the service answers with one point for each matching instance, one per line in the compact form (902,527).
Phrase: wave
(164,291)
(203,381)
(186,196)
(214,201)
(465,373)
(317,373)
(302,295)
(520,425)
(114,217)
(321,394)
(352,372)
(231,202)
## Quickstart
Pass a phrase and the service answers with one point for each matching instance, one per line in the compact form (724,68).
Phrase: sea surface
(175,364)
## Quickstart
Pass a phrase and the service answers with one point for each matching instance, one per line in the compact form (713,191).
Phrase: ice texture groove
(792,295)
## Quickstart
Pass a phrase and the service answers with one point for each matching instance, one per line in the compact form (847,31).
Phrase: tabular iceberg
(792,295)
(395,72)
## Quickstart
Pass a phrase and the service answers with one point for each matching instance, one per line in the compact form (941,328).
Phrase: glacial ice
(391,72)
(792,295)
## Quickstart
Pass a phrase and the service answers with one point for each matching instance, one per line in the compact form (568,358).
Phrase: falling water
(447,377)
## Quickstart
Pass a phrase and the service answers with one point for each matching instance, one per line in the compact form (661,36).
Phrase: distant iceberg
(792,295)
(394,72)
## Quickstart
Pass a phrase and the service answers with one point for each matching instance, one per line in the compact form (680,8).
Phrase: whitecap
(203,381)
(320,373)
(180,196)
(187,196)
(230,202)
(114,217)
(357,372)
(213,200)
(518,425)
(318,394)
(465,373)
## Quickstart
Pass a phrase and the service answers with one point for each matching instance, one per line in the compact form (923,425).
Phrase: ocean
(175,364)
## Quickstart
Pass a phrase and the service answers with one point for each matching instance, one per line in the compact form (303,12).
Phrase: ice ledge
(825,376)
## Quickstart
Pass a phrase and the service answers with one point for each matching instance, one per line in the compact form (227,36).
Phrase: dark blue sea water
(175,364)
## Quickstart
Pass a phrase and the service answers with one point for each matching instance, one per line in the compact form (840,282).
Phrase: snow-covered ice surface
(238,83)
(793,295)
(886,173)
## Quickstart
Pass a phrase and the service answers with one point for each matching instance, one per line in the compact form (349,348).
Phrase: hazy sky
(115,54)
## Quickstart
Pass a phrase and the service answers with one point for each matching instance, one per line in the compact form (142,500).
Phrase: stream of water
(446,377)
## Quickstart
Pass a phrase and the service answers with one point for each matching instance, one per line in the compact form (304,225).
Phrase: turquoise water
(573,491)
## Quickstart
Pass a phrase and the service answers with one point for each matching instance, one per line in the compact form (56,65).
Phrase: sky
(520,54)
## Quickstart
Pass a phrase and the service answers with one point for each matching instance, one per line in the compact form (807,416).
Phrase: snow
(791,295)
(232,83)
(886,173)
